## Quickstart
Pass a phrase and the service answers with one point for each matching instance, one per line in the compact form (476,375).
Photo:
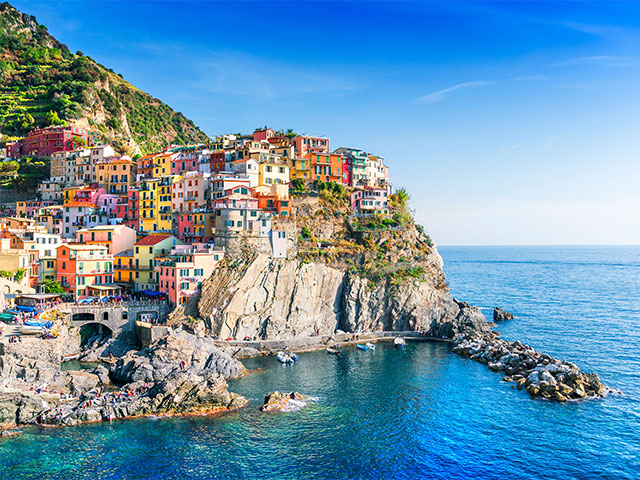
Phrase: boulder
(499,315)
(278,400)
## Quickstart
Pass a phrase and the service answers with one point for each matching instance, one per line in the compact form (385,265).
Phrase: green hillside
(42,83)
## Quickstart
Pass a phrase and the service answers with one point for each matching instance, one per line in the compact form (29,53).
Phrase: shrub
(306,233)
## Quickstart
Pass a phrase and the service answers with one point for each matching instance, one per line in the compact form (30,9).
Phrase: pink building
(263,134)
(89,194)
(180,274)
(185,162)
(370,200)
(117,238)
(306,145)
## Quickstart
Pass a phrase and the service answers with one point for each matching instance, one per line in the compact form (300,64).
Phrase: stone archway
(83,317)
(94,331)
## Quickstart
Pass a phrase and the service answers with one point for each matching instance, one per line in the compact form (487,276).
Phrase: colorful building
(180,274)
(326,167)
(43,142)
(85,270)
(145,252)
(304,145)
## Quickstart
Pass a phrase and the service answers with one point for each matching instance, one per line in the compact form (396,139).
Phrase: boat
(333,351)
(399,342)
(71,356)
(285,358)
(370,346)
(38,324)
(293,356)
(359,346)
(7,317)
(30,330)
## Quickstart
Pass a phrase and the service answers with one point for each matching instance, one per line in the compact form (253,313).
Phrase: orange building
(326,167)
(85,270)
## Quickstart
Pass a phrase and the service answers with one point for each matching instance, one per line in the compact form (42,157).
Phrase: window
(198,272)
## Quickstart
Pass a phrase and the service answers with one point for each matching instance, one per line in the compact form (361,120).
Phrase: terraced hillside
(42,83)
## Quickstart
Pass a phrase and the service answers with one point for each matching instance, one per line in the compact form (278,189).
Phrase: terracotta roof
(153,239)
(79,204)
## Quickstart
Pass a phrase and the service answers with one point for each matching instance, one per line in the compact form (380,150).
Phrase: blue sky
(508,122)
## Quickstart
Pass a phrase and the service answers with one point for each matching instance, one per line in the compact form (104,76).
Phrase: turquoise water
(419,413)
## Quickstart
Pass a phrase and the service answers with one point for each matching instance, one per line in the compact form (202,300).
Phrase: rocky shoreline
(185,374)
(541,375)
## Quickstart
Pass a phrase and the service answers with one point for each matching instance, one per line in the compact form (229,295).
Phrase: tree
(19,275)
(52,118)
(400,198)
(52,286)
(298,185)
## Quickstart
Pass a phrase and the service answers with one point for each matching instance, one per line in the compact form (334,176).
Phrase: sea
(417,413)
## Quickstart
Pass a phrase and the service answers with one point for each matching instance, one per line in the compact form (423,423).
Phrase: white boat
(29,330)
(399,342)
(284,357)
(72,356)
(370,346)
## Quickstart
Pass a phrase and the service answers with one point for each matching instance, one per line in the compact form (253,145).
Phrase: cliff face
(382,273)
(270,298)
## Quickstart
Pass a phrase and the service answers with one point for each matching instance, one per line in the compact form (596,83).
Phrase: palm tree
(400,197)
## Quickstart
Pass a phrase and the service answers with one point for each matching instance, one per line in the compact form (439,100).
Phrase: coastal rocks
(499,315)
(180,393)
(539,374)
(280,400)
(178,351)
(468,320)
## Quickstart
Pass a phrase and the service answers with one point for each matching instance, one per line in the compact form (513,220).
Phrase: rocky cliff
(262,297)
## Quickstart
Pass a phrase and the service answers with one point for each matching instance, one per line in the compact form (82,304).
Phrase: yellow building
(70,193)
(124,267)
(162,164)
(117,175)
(301,168)
(145,252)
(164,212)
(273,172)
(148,208)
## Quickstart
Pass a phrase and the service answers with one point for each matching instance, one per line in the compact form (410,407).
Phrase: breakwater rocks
(539,374)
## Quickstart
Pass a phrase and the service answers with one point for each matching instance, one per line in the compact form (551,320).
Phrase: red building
(45,141)
(131,216)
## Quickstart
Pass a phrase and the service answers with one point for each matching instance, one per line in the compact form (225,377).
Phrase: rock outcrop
(499,315)
(280,400)
(179,374)
(539,374)
(266,298)
(178,351)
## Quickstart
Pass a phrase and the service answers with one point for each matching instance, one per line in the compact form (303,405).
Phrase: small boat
(285,358)
(28,330)
(71,356)
(399,342)
(370,346)
(333,351)
(293,356)
(362,347)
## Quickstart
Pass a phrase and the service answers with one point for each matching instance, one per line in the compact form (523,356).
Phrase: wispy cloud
(603,60)
(440,95)
(513,147)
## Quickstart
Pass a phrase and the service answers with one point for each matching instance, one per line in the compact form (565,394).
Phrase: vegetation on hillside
(42,83)
(382,248)
(24,174)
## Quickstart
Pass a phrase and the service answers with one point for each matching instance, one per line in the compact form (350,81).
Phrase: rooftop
(153,239)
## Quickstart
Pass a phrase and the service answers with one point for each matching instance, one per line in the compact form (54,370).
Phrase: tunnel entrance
(94,333)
